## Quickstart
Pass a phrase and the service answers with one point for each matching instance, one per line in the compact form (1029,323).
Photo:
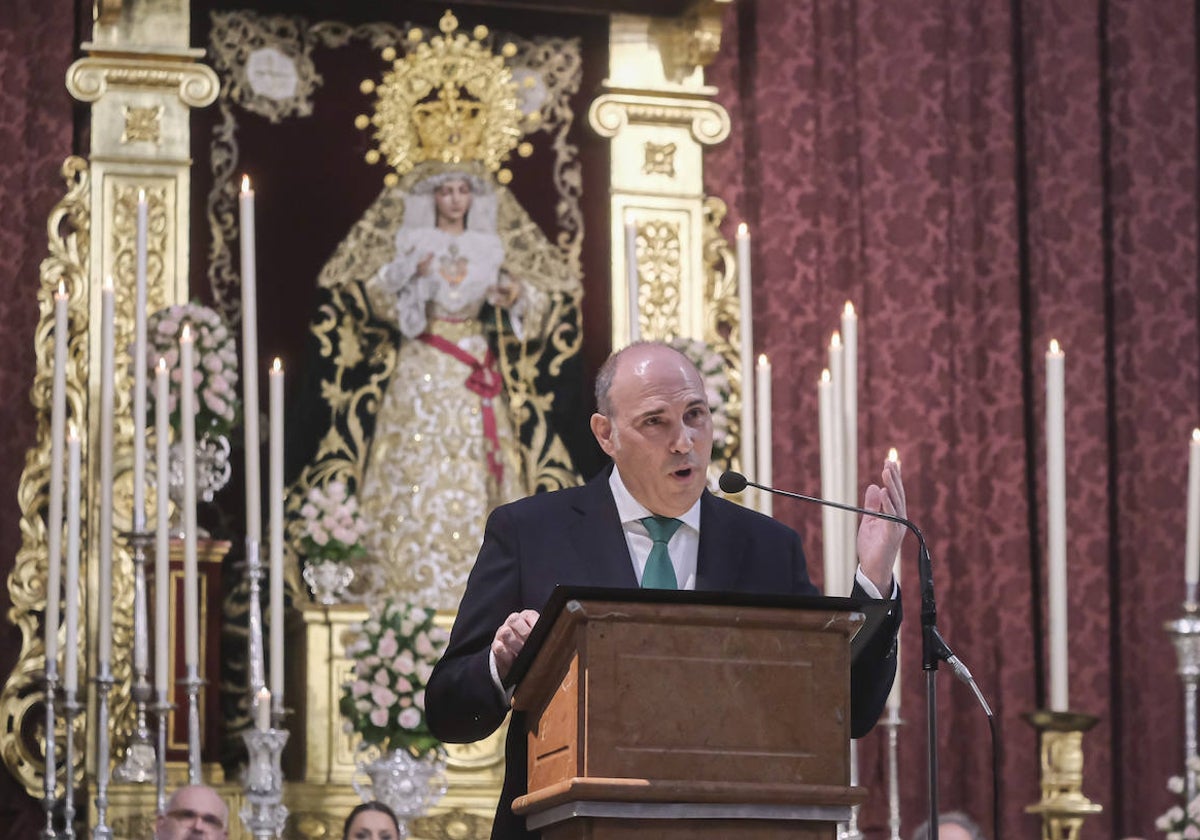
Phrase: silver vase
(213,471)
(408,785)
(327,579)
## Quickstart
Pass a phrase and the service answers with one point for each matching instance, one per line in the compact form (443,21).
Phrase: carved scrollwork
(88,79)
(68,230)
(707,122)
(723,326)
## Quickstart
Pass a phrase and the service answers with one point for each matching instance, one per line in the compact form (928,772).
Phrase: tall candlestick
(836,356)
(70,654)
(746,349)
(162,541)
(105,536)
(762,390)
(250,364)
(275,565)
(1056,530)
(830,525)
(893,700)
(849,419)
(139,371)
(54,523)
(631,278)
(1191,565)
(191,583)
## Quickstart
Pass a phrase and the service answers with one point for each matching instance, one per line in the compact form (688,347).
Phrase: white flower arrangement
(216,364)
(331,526)
(717,388)
(1182,822)
(393,655)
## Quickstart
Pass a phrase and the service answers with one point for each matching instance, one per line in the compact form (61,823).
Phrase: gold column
(659,115)
(1063,806)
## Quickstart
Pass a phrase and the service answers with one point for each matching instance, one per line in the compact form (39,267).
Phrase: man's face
(193,813)
(660,432)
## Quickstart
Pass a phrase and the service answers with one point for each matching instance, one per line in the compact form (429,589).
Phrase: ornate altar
(655,237)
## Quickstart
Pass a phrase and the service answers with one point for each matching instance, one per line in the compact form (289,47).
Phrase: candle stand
(1063,807)
(138,766)
(49,797)
(162,709)
(264,812)
(71,708)
(850,830)
(104,684)
(254,576)
(893,724)
(1185,633)
(193,683)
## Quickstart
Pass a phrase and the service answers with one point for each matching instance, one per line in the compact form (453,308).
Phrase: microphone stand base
(1063,806)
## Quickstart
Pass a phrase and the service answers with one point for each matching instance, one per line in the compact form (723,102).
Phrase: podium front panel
(704,695)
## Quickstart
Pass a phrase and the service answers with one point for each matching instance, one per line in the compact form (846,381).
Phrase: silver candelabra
(139,764)
(71,708)
(893,724)
(264,812)
(104,684)
(51,778)
(1185,633)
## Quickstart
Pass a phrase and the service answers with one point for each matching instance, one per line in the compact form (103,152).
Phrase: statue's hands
(505,293)
(424,265)
(510,638)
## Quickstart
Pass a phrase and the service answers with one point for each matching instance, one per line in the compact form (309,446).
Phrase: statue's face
(452,200)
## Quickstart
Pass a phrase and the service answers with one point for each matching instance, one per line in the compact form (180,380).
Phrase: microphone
(934,646)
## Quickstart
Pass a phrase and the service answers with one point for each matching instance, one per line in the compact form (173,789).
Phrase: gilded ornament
(660,159)
(449,99)
(142,124)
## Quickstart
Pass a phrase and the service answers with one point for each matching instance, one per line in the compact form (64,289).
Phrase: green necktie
(659,573)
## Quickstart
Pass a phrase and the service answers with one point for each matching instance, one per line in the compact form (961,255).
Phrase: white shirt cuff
(505,693)
(869,586)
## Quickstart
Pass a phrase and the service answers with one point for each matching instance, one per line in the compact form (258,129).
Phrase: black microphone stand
(933,646)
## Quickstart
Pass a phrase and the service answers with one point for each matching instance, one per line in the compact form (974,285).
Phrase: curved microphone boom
(933,646)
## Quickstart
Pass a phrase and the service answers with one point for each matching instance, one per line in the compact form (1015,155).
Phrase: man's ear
(602,429)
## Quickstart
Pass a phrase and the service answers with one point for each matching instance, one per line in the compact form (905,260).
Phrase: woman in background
(371,821)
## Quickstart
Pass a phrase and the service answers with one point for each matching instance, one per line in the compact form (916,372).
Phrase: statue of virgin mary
(450,319)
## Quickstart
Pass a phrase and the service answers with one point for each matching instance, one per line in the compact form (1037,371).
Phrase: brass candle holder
(1063,807)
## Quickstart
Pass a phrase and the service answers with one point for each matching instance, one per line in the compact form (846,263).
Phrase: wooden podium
(688,715)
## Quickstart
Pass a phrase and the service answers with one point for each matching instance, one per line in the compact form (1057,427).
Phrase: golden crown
(449,99)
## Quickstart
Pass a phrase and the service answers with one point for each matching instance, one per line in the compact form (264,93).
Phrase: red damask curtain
(979,177)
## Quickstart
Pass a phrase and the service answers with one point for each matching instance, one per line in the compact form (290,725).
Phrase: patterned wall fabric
(36,45)
(976,193)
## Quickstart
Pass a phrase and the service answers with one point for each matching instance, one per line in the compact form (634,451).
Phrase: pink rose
(388,646)
(359,688)
(379,717)
(410,718)
(383,696)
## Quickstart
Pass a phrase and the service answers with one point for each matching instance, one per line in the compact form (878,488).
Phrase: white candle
(830,524)
(162,541)
(1056,530)
(746,349)
(762,390)
(70,654)
(191,583)
(631,277)
(275,483)
(139,371)
(54,522)
(849,419)
(250,364)
(836,355)
(262,709)
(1191,564)
(893,700)
(105,538)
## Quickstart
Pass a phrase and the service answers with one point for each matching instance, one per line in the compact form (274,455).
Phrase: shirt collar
(630,509)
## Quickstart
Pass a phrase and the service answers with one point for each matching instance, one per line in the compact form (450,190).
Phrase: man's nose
(682,441)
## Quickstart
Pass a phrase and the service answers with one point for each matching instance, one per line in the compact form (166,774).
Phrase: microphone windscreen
(732,482)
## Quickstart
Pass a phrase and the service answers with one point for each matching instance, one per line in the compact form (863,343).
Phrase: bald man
(194,812)
(648,521)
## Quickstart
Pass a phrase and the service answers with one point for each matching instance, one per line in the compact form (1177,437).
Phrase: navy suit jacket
(574,537)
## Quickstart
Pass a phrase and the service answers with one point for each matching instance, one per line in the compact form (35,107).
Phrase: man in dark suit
(647,521)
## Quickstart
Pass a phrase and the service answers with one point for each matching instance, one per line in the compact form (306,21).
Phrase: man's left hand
(878,539)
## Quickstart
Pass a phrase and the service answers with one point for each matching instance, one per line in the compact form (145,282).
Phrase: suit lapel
(719,555)
(598,538)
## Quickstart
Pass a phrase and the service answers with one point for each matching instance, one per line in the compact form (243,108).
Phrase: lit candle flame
(107,286)
(162,363)
(1054,348)
(762,360)
(186,334)
(277,365)
(742,229)
(893,455)
(826,376)
(836,339)
(1196,434)
(848,309)
(141,195)
(245,183)
(62,289)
